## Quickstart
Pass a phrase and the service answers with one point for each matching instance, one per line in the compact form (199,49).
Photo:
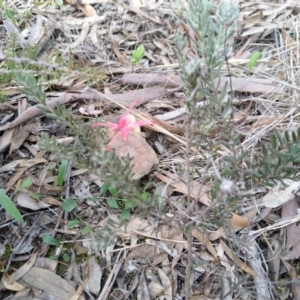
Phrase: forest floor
(97,59)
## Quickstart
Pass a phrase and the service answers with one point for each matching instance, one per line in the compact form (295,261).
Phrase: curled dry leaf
(155,289)
(5,139)
(50,283)
(95,275)
(89,110)
(280,194)
(21,134)
(10,284)
(292,245)
(166,282)
(26,201)
(25,268)
(143,156)
(142,290)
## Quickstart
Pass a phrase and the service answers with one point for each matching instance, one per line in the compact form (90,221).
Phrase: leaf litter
(146,250)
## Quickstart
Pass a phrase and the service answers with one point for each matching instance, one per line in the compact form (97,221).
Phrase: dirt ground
(71,69)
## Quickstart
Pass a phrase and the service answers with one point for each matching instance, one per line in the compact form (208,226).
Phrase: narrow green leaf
(86,230)
(113,191)
(49,239)
(131,204)
(125,215)
(253,60)
(273,143)
(51,167)
(264,150)
(287,136)
(62,171)
(73,223)
(25,183)
(111,202)
(10,207)
(104,188)
(53,257)
(36,196)
(94,199)
(68,205)
(66,257)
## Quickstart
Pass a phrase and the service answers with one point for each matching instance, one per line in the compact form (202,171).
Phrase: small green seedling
(116,203)
(68,205)
(138,54)
(62,171)
(86,230)
(49,239)
(25,184)
(74,223)
(253,60)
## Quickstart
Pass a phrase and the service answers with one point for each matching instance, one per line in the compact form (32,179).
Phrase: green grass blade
(10,207)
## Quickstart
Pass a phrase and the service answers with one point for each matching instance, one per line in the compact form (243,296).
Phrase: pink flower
(126,124)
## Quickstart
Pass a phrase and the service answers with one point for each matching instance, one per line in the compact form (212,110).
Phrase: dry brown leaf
(5,139)
(135,224)
(262,27)
(142,289)
(251,85)
(205,241)
(172,232)
(83,285)
(166,282)
(247,84)
(155,289)
(197,190)
(7,108)
(51,201)
(159,258)
(291,44)
(95,275)
(233,257)
(88,10)
(143,156)
(238,224)
(15,178)
(241,116)
(25,268)
(21,134)
(292,246)
(179,249)
(236,220)
(263,121)
(143,254)
(27,163)
(122,58)
(77,294)
(24,200)
(10,284)
(295,285)
(164,124)
(46,263)
(273,257)
(162,247)
(281,194)
(49,282)
(81,38)
(126,99)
